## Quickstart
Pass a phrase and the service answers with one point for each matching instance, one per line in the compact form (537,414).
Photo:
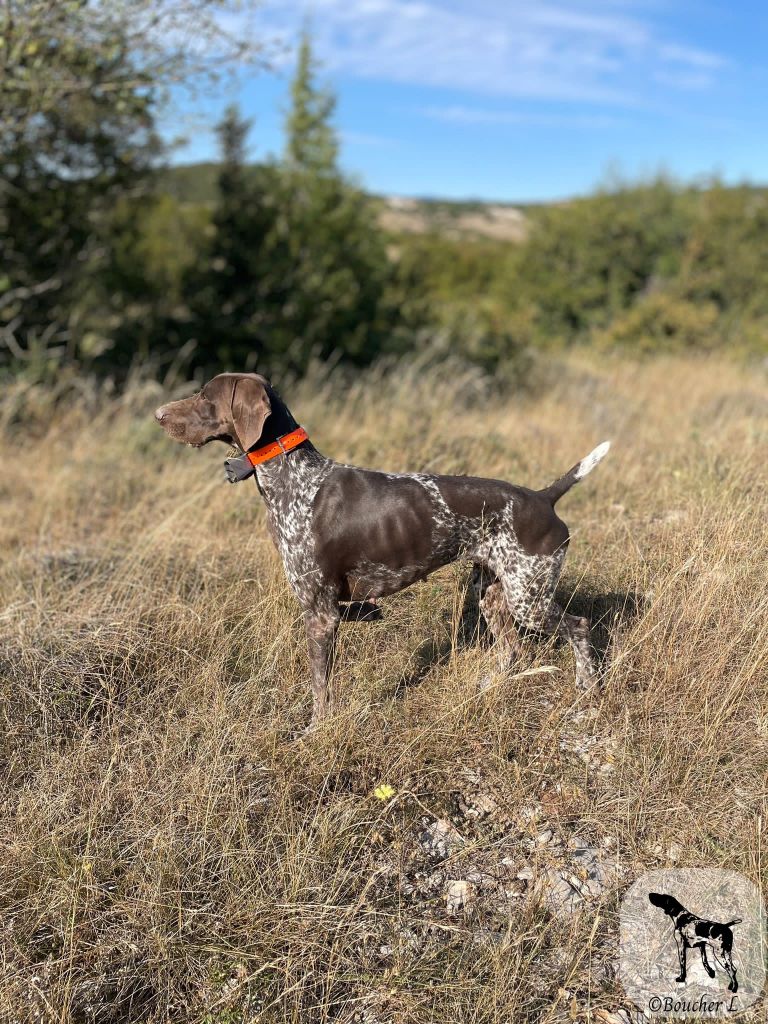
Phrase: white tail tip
(588,464)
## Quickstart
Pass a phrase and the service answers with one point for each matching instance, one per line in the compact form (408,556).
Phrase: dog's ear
(250,408)
(666,903)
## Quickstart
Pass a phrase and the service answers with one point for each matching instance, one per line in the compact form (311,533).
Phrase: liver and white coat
(351,534)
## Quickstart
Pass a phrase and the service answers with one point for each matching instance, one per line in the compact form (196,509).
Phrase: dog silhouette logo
(693,932)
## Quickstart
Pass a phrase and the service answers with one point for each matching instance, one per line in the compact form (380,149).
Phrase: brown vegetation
(171,850)
(401,215)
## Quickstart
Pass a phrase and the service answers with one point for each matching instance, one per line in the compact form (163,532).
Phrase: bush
(662,321)
(645,267)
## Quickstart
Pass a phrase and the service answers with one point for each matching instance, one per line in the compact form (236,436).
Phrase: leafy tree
(74,136)
(647,267)
(587,260)
(725,259)
(81,82)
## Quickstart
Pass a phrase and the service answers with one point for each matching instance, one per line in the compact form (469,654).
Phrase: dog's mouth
(212,437)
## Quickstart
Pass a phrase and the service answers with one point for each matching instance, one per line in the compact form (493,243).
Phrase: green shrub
(661,321)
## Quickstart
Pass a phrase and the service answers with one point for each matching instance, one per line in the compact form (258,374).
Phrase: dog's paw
(587,677)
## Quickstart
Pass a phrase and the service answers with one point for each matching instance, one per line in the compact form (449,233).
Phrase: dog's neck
(284,478)
(279,422)
(279,475)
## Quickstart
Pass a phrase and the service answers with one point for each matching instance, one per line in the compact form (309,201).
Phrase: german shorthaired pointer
(692,931)
(348,534)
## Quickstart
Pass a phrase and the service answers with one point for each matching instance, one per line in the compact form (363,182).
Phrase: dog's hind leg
(529,590)
(710,971)
(575,629)
(730,970)
(494,609)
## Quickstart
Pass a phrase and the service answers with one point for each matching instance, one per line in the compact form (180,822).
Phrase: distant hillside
(196,183)
(418,216)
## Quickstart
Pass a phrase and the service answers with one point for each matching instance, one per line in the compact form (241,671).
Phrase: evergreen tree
(232,293)
(312,145)
(232,131)
(336,272)
(297,265)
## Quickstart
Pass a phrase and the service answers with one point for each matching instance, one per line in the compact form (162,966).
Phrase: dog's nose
(159,414)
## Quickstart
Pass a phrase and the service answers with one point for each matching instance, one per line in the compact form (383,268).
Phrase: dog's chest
(290,491)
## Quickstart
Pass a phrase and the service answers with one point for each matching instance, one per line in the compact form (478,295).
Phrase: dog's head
(666,903)
(231,407)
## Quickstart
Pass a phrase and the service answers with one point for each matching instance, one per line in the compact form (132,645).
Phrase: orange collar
(279,447)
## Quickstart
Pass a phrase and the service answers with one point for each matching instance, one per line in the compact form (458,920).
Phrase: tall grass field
(452,845)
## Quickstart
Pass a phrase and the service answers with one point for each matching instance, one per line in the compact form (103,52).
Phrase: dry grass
(172,852)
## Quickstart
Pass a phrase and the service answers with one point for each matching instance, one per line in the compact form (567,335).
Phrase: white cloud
(479,115)
(572,50)
(688,80)
(691,56)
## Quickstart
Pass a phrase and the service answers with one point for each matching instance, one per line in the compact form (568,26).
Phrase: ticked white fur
(588,463)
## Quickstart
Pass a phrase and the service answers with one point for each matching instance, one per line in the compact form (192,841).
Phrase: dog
(692,931)
(347,534)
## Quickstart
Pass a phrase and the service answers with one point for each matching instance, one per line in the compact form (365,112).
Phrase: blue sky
(515,100)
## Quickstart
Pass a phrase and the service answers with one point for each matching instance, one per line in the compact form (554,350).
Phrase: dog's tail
(730,924)
(556,490)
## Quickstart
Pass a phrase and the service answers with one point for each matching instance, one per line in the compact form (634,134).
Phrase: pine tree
(312,145)
(336,272)
(298,265)
(232,132)
(233,291)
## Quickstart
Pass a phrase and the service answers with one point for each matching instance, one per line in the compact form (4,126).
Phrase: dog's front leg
(321,625)
(682,953)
